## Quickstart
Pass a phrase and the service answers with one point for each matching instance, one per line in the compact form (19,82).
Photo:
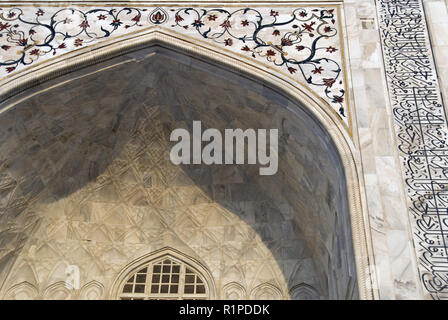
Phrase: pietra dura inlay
(304,43)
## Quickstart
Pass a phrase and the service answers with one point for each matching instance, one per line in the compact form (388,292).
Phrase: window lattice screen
(165,279)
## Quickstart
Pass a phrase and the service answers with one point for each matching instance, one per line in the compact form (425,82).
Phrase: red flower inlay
(226,24)
(286,42)
(35,52)
(228,42)
(244,23)
(337,99)
(158,17)
(84,24)
(274,13)
(212,17)
(78,42)
(329,82)
(270,53)
(331,49)
(178,18)
(101,17)
(3,26)
(23,42)
(116,23)
(318,70)
(10,69)
(245,48)
(309,27)
(292,70)
(197,23)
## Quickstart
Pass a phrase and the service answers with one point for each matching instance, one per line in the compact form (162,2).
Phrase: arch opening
(164,275)
(101,144)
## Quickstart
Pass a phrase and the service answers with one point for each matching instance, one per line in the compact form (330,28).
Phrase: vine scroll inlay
(303,43)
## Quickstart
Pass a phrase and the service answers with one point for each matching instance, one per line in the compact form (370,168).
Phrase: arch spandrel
(301,43)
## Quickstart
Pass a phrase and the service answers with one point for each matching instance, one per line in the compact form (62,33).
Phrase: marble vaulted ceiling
(86,179)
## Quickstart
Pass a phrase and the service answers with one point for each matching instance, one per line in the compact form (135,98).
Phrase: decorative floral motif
(296,42)
(158,16)
(303,42)
(38,36)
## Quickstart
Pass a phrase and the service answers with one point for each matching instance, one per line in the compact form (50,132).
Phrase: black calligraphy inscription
(421,127)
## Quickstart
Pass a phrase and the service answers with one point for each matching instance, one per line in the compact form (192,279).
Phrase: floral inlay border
(304,43)
(422,130)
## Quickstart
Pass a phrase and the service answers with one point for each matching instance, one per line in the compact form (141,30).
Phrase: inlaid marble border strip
(421,127)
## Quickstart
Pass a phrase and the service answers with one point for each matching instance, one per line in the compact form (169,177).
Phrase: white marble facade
(85,177)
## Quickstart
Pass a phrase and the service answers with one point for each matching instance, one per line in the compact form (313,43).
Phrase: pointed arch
(304,291)
(145,267)
(92,291)
(23,274)
(13,91)
(57,291)
(234,291)
(266,291)
(22,291)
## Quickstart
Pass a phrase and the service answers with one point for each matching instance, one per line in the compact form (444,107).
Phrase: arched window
(166,278)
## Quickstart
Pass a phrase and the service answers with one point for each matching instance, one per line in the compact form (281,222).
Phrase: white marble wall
(394,264)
